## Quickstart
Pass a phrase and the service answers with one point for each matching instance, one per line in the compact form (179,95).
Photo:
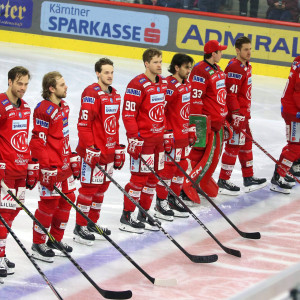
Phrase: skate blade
(82,241)
(180,214)
(276,188)
(254,187)
(1,280)
(128,228)
(42,258)
(10,271)
(228,193)
(151,228)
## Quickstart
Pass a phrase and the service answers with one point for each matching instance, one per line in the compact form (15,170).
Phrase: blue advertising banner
(105,23)
(16,13)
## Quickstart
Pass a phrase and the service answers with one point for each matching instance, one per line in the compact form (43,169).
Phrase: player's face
(217,56)
(106,75)
(245,53)
(19,86)
(184,71)
(60,90)
(155,65)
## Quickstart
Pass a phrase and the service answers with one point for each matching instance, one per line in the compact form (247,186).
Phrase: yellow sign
(269,44)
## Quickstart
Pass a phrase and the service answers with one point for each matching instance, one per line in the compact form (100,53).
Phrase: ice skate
(42,252)
(10,266)
(253,183)
(149,225)
(3,270)
(162,210)
(97,235)
(228,188)
(129,224)
(178,209)
(278,184)
(83,236)
(56,250)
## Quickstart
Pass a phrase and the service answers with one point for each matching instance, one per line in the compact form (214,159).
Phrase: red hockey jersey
(208,94)
(143,110)
(239,86)
(177,110)
(98,122)
(50,137)
(290,100)
(14,129)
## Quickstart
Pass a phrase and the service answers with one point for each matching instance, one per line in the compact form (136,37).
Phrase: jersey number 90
(130,106)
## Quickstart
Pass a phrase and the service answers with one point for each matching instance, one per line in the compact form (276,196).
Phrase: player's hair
(101,62)
(240,41)
(17,72)
(49,79)
(150,53)
(178,60)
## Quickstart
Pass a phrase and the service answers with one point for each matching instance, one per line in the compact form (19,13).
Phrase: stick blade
(250,235)
(165,282)
(233,252)
(206,259)
(116,295)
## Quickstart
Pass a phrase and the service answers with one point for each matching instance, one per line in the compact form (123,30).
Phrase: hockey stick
(30,258)
(193,258)
(105,293)
(248,235)
(160,282)
(269,155)
(227,250)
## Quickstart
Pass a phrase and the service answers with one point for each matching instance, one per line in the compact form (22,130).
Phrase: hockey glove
(2,169)
(192,134)
(135,146)
(33,169)
(238,122)
(92,156)
(48,177)
(228,133)
(168,141)
(75,165)
(119,157)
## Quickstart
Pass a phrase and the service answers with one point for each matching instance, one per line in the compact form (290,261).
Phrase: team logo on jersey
(142,80)
(173,80)
(4,102)
(185,112)
(87,99)
(96,88)
(111,100)
(156,113)
(133,92)
(198,79)
(207,69)
(220,84)
(62,113)
(157,98)
(110,125)
(249,80)
(20,115)
(234,75)
(111,109)
(221,96)
(49,110)
(19,141)
(170,92)
(42,123)
(248,94)
(185,97)
(19,124)
(158,89)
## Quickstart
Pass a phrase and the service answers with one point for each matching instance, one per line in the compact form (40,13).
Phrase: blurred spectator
(209,5)
(283,10)
(253,8)
(165,3)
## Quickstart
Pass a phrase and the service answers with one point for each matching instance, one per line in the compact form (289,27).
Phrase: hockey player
(290,111)
(177,111)
(143,117)
(98,131)
(16,168)
(208,105)
(50,145)
(239,85)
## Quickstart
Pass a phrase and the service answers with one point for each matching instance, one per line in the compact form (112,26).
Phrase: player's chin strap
(248,235)
(105,293)
(269,155)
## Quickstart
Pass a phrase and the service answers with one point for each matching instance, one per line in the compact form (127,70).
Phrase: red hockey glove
(192,134)
(135,146)
(48,177)
(75,165)
(168,140)
(228,133)
(92,156)
(119,157)
(33,169)
(2,169)
(238,122)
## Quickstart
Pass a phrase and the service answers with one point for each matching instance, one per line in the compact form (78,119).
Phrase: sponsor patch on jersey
(8,107)
(66,131)
(295,132)
(234,75)
(158,89)
(42,123)
(133,92)
(170,92)
(146,84)
(19,124)
(220,84)
(49,110)
(186,97)
(198,79)
(65,121)
(249,80)
(54,114)
(87,99)
(157,98)
(173,80)
(211,72)
(96,88)
(26,113)
(142,80)
(4,102)
(207,69)
(111,109)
